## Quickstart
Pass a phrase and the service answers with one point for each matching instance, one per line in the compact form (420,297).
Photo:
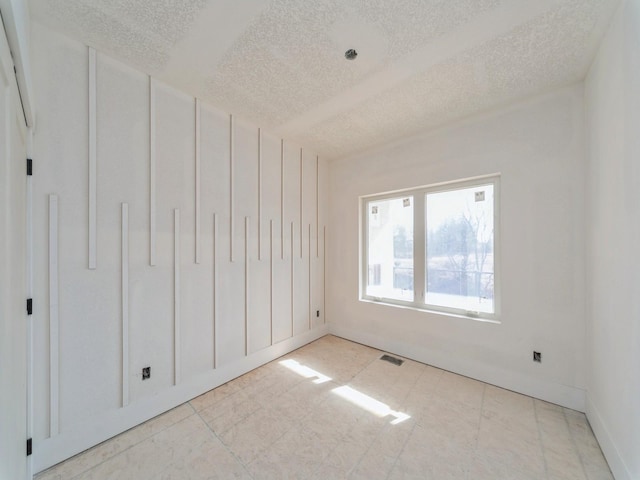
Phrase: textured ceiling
(280,63)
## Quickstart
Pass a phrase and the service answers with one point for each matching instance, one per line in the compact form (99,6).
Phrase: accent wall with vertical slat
(204,236)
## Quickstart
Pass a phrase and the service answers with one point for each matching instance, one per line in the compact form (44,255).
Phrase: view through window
(460,249)
(433,248)
(390,261)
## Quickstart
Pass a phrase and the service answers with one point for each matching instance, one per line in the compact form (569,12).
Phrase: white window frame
(419,246)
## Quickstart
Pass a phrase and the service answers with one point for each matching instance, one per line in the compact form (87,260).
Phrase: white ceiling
(280,63)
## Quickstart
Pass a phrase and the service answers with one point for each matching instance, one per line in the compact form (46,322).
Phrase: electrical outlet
(537,357)
(146,373)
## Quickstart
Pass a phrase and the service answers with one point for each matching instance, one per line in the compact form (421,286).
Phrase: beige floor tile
(297,454)
(434,454)
(277,382)
(485,468)
(561,458)
(327,471)
(251,436)
(112,447)
(508,445)
(565,472)
(344,457)
(461,390)
(407,469)
(226,413)
(149,458)
(598,471)
(214,396)
(381,457)
(449,419)
(211,460)
(274,423)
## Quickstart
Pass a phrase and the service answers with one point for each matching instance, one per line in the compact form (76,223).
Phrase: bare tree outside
(460,247)
(458,238)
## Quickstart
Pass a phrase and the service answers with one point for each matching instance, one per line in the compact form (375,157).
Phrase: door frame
(16,216)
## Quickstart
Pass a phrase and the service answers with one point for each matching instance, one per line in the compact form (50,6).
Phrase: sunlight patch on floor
(352,395)
(305,371)
(370,404)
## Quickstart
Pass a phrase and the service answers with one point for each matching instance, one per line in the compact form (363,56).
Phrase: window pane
(460,249)
(390,249)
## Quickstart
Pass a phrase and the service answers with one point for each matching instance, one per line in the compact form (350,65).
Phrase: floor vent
(390,359)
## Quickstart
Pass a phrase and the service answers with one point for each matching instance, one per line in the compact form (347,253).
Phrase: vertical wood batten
(246,286)
(152,172)
(317,207)
(271,282)
(215,288)
(292,279)
(125,304)
(54,330)
(282,199)
(324,274)
(309,265)
(231,209)
(93,241)
(176,297)
(301,202)
(259,194)
(197,181)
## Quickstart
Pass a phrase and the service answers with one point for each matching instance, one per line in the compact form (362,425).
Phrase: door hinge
(29,306)
(29,167)
(29,447)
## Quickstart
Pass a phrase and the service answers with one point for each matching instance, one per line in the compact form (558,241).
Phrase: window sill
(432,311)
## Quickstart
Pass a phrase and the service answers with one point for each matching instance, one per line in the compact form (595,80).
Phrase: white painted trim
(176,297)
(282,199)
(54,330)
(30,319)
(324,274)
(152,172)
(292,260)
(125,304)
(232,235)
(215,288)
(607,444)
(309,271)
(99,428)
(301,204)
(271,282)
(93,235)
(246,286)
(197,181)
(259,194)
(317,207)
(570,397)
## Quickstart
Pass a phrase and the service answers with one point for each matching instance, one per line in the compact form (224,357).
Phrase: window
(390,252)
(433,248)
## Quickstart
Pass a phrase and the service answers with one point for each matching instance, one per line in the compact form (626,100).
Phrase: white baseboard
(74,440)
(608,446)
(570,397)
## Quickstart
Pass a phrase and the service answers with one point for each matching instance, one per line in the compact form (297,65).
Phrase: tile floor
(333,410)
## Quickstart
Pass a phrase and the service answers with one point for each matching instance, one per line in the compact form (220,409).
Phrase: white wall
(189,312)
(613,230)
(538,148)
(13,281)
(16,21)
